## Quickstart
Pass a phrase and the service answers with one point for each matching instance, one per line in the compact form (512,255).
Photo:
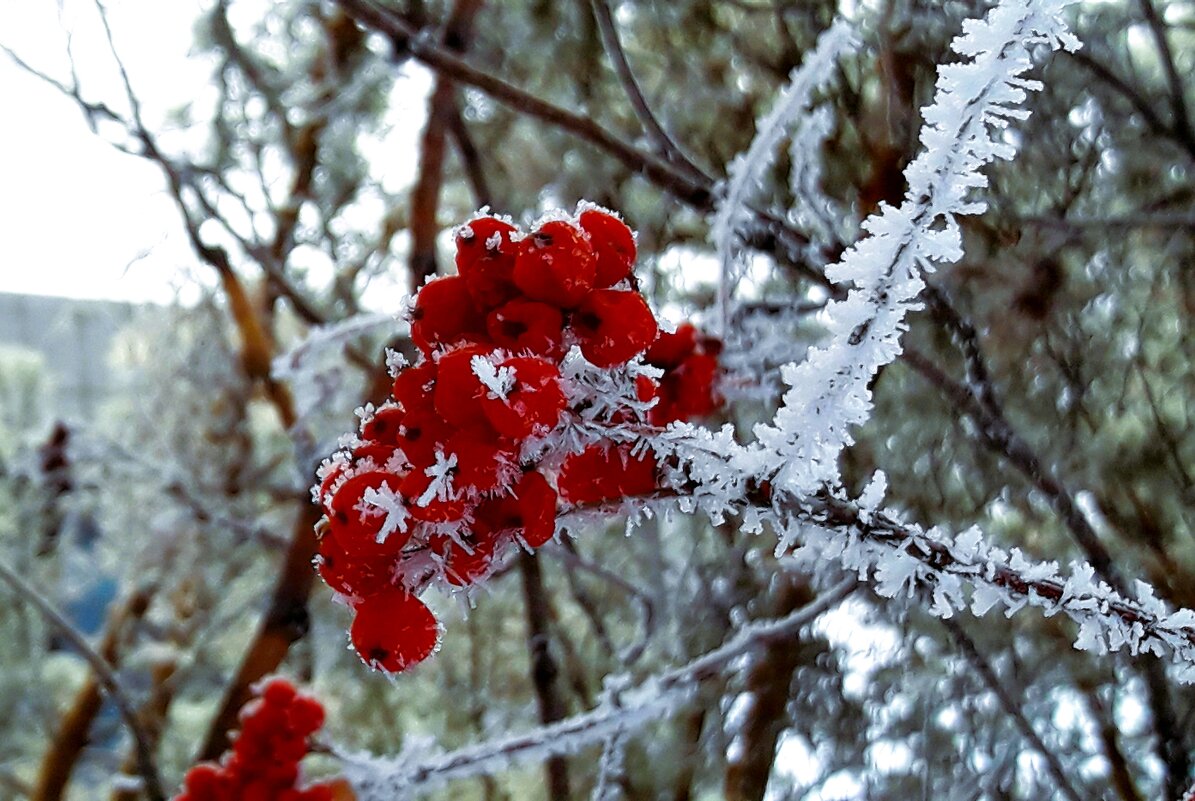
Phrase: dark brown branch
(442,61)
(470,157)
(441,109)
(1135,98)
(1181,122)
(1121,777)
(74,729)
(665,145)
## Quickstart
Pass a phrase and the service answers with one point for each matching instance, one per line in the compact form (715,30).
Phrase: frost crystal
(391,503)
(440,473)
(498,380)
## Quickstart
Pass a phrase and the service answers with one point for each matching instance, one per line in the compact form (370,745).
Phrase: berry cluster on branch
(263,763)
(530,358)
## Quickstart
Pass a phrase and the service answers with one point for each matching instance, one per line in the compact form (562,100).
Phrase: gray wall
(75,338)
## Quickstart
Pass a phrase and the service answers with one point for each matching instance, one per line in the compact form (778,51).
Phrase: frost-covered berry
(444,314)
(556,265)
(613,326)
(485,258)
(393,630)
(613,245)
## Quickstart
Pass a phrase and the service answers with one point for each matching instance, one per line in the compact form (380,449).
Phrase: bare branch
(664,143)
(146,764)
(1011,707)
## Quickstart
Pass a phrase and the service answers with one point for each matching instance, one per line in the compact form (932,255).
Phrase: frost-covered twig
(746,171)
(812,209)
(421,769)
(143,743)
(975,100)
(710,473)
(290,365)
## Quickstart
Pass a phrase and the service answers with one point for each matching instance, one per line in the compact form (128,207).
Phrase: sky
(77,217)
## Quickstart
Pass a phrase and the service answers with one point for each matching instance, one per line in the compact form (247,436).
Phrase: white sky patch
(498,380)
(80,219)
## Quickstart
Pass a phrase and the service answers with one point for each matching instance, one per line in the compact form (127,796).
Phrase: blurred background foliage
(176,508)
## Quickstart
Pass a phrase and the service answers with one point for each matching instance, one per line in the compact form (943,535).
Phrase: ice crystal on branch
(746,172)
(974,100)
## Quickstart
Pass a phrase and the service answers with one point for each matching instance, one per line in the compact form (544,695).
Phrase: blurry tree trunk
(767,684)
(543,668)
(441,113)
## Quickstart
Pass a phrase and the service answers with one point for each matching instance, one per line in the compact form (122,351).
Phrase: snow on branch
(712,474)
(973,104)
(624,709)
(746,171)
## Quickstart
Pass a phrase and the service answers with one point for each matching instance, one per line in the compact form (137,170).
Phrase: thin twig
(1011,706)
(146,765)
(664,143)
(1178,93)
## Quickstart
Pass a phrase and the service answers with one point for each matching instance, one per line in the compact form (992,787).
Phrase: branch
(376,779)
(424,49)
(1178,99)
(146,765)
(543,668)
(665,145)
(1011,707)
(74,729)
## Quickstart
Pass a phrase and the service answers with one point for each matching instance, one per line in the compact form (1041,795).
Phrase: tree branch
(102,670)
(1011,706)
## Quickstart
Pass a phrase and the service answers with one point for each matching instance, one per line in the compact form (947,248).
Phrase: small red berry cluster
(263,764)
(688,387)
(523,356)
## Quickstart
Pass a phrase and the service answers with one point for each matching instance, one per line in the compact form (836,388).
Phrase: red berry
(527,325)
(329,473)
(423,431)
(613,326)
(556,264)
(356,523)
(602,473)
(278,692)
(413,386)
(444,314)
(393,631)
(670,349)
(483,460)
(537,505)
(383,425)
(485,258)
(350,574)
(533,402)
(372,456)
(613,243)
(458,389)
(316,792)
(466,563)
(439,506)
(306,715)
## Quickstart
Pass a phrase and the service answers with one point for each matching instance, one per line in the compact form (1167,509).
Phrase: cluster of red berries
(688,387)
(263,764)
(480,439)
